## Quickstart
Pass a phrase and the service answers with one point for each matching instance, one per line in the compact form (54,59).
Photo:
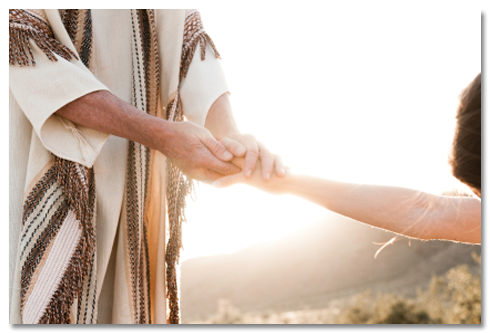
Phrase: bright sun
(350,91)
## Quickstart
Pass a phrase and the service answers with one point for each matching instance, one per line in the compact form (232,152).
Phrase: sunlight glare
(347,90)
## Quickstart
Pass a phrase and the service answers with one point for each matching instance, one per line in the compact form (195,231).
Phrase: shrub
(454,298)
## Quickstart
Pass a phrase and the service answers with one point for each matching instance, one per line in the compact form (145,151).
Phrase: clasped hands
(203,157)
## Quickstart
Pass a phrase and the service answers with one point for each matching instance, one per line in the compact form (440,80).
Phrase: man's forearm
(189,146)
(103,111)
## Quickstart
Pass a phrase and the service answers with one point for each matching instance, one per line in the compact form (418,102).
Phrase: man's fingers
(234,146)
(216,148)
(224,168)
(267,160)
(280,168)
(229,180)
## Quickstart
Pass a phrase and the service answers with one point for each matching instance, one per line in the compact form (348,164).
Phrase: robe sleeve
(204,83)
(43,89)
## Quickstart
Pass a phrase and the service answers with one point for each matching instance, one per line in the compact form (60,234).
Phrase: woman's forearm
(405,211)
(220,120)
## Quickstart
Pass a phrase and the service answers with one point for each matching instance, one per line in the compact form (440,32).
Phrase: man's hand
(194,150)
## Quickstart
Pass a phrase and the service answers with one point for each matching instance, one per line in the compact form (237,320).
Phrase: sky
(354,91)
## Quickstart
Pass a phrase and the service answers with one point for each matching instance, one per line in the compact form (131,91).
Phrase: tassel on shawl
(178,186)
(77,185)
(25,25)
(193,34)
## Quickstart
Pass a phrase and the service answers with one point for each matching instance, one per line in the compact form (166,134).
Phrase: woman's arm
(404,211)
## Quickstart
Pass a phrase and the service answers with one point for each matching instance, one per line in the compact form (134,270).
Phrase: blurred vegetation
(454,298)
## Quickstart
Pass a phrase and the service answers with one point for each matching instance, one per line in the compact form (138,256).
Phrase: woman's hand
(253,152)
(221,123)
(275,184)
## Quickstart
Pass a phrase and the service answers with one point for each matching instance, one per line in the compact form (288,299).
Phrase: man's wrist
(162,134)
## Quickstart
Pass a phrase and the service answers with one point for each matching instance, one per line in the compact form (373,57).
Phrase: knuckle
(264,153)
(250,137)
(226,141)
(218,147)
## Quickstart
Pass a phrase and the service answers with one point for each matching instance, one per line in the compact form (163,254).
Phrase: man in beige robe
(83,114)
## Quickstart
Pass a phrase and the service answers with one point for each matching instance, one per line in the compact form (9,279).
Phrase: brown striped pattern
(145,94)
(78,24)
(65,186)
(193,34)
(178,186)
(25,25)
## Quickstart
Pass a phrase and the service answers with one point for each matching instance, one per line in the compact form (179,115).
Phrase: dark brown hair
(465,158)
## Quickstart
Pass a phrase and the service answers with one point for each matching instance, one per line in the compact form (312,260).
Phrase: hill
(327,260)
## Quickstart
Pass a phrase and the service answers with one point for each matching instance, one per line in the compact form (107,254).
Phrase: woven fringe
(145,97)
(78,24)
(79,280)
(23,26)
(77,183)
(178,188)
(193,34)
(79,189)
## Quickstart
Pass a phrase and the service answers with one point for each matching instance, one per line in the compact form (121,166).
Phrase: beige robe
(36,93)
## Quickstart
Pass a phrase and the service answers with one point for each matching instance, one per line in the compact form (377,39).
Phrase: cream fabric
(36,93)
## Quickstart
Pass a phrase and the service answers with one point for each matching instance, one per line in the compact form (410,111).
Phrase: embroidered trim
(78,24)
(25,25)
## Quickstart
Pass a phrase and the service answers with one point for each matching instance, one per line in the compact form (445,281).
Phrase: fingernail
(227,154)
(217,183)
(268,176)
(241,150)
(249,173)
(282,171)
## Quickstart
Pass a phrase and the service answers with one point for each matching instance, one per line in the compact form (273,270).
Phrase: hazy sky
(356,91)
